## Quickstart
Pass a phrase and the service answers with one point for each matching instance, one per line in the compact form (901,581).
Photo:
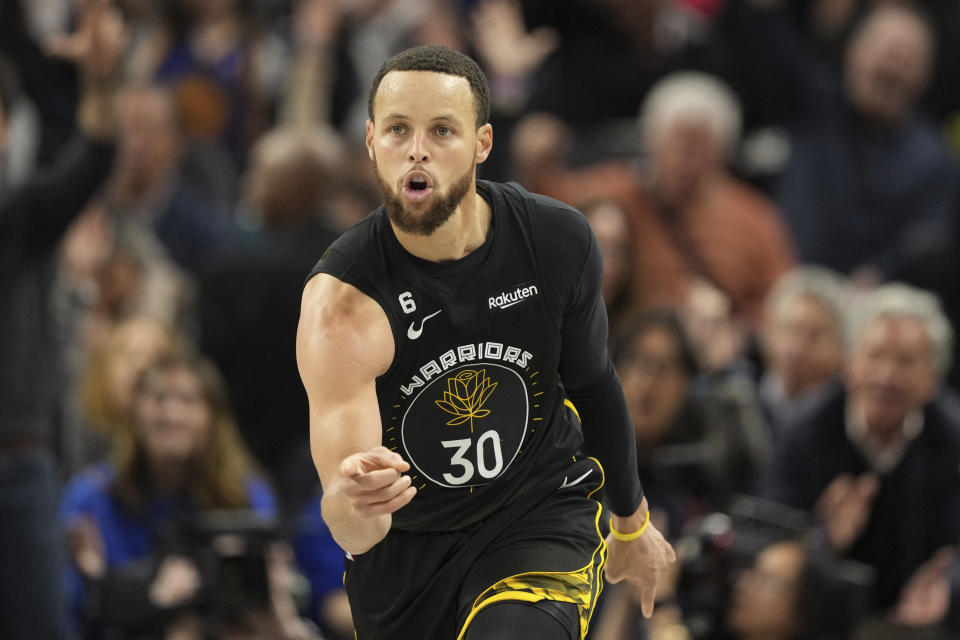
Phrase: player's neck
(464,232)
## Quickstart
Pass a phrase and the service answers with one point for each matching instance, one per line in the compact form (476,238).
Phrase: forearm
(354,533)
(96,118)
(35,215)
(307,101)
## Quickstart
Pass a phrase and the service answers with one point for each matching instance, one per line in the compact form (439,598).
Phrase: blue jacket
(128,537)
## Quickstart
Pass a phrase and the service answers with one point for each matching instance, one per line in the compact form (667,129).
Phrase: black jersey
(473,400)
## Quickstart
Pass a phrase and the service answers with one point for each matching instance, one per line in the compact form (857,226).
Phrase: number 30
(462,446)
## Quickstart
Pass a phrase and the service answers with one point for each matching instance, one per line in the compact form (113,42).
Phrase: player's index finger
(390,459)
(377,478)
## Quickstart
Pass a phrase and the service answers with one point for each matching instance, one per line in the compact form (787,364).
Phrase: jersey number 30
(488,444)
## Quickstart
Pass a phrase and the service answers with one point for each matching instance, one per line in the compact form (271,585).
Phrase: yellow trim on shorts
(581,587)
(603,477)
(568,403)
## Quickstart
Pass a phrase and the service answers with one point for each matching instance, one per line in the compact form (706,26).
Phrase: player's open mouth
(417,187)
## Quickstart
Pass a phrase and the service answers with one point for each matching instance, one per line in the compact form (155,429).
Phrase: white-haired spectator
(877,463)
(897,300)
(694,222)
(692,95)
(803,337)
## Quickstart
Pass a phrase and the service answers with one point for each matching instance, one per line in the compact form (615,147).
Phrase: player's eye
(398,129)
(444,130)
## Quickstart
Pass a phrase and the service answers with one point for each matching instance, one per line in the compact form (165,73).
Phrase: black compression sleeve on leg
(526,621)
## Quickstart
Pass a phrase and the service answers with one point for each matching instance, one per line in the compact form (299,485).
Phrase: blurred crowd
(776,192)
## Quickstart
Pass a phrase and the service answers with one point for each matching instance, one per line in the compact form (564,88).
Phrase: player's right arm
(344,342)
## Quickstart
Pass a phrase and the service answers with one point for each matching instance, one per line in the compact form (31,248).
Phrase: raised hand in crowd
(503,42)
(925,600)
(176,583)
(87,548)
(845,507)
(316,23)
(95,48)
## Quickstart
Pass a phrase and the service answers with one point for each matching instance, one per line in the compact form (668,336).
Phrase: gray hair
(692,94)
(827,287)
(900,300)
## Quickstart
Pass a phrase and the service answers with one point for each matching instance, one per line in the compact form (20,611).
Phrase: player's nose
(418,147)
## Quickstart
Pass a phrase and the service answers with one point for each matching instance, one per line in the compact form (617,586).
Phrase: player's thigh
(552,552)
(543,620)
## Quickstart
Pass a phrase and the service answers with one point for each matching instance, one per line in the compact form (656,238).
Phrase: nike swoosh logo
(575,482)
(414,332)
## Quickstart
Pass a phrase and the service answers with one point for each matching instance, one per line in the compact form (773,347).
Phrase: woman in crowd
(178,457)
(611,224)
(698,444)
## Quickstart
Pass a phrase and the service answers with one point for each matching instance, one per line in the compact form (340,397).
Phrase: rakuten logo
(509,298)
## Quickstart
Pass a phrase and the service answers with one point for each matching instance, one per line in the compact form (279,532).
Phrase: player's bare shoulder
(344,335)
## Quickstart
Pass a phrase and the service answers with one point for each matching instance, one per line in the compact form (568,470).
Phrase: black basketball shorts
(430,585)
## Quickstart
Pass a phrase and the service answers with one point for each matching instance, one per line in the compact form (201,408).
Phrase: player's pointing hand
(374,483)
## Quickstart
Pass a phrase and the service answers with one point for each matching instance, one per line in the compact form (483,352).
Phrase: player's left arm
(593,386)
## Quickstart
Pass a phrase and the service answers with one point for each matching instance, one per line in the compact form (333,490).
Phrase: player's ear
(369,139)
(484,142)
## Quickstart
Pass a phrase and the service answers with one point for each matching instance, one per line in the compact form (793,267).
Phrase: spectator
(146,190)
(249,296)
(612,226)
(179,456)
(698,446)
(224,70)
(804,338)
(109,271)
(878,461)
(718,337)
(105,276)
(789,591)
(693,220)
(33,219)
(107,384)
(870,184)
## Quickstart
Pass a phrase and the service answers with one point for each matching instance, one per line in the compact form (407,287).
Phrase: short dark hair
(441,60)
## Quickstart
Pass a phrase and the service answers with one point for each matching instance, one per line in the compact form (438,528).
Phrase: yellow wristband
(627,537)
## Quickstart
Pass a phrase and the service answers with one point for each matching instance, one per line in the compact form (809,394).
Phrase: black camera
(715,549)
(230,551)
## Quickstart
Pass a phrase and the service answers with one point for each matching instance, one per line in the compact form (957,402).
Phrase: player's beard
(426,222)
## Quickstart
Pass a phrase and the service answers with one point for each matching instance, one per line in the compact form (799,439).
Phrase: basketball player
(450,345)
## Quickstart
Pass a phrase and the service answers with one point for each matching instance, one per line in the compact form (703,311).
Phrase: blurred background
(774,185)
